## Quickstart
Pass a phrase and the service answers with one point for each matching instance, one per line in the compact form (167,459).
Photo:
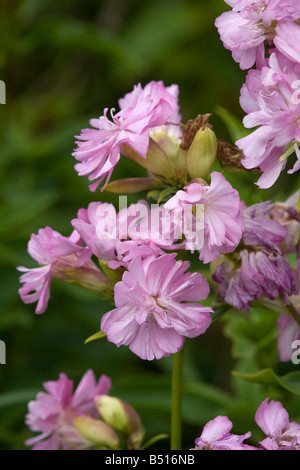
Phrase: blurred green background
(63,62)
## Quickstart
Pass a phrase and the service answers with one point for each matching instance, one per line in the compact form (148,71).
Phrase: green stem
(176,408)
(294,313)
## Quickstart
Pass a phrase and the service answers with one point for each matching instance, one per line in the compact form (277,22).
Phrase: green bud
(122,417)
(180,161)
(88,277)
(202,153)
(131,185)
(115,275)
(98,433)
(157,160)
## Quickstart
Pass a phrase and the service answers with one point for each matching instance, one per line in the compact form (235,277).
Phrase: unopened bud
(89,277)
(115,275)
(157,160)
(98,433)
(131,185)
(202,153)
(122,417)
(180,161)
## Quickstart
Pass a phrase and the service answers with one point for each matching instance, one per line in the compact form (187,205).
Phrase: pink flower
(253,24)
(258,267)
(216,435)
(97,227)
(52,412)
(61,258)
(274,421)
(117,238)
(253,275)
(98,150)
(261,229)
(156,307)
(209,216)
(270,101)
(172,130)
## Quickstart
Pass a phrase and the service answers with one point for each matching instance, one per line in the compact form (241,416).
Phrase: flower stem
(176,408)
(294,313)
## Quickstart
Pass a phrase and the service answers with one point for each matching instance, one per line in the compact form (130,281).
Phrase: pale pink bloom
(52,412)
(148,232)
(156,307)
(117,238)
(253,24)
(61,258)
(173,129)
(216,435)
(97,227)
(209,216)
(274,421)
(98,150)
(269,98)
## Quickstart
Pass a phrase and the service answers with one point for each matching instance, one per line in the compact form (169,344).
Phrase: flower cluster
(52,413)
(271,417)
(69,420)
(135,255)
(259,267)
(270,96)
(131,254)
(214,223)
(156,307)
(141,111)
(62,258)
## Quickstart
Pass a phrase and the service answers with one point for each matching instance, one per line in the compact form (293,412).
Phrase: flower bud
(122,417)
(98,433)
(115,275)
(88,277)
(180,162)
(157,160)
(202,153)
(131,185)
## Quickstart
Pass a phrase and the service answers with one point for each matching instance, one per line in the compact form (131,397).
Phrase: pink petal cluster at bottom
(52,412)
(156,307)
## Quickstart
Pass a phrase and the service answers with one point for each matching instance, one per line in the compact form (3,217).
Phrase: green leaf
(153,194)
(97,335)
(24,209)
(131,185)
(234,125)
(165,193)
(252,334)
(153,440)
(208,392)
(17,397)
(290,381)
